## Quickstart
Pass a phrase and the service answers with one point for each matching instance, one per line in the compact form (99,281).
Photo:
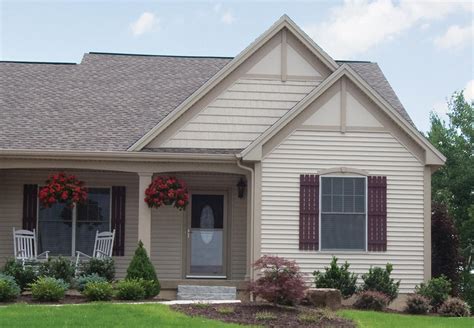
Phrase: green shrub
(59,268)
(225,309)
(467,288)
(371,300)
(265,316)
(9,289)
(82,281)
(436,290)
(454,307)
(102,267)
(308,318)
(48,289)
(98,291)
(337,277)
(131,289)
(141,268)
(23,276)
(417,304)
(202,305)
(378,279)
(151,287)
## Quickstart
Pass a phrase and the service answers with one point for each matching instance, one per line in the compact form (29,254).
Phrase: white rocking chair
(25,247)
(103,247)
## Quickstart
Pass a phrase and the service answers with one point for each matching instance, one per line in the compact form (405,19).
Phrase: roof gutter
(113,155)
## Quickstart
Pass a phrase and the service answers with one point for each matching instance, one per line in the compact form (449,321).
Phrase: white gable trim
(283,22)
(254,150)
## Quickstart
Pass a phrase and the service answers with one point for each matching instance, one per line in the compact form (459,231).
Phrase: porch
(183,248)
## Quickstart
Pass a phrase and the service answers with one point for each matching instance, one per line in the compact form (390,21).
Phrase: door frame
(225,233)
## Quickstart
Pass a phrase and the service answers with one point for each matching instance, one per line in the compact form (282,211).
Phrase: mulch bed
(247,313)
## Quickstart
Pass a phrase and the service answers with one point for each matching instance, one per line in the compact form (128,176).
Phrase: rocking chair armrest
(79,253)
(45,254)
(103,253)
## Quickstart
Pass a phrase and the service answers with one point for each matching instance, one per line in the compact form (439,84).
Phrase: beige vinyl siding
(378,153)
(11,205)
(167,232)
(168,228)
(241,113)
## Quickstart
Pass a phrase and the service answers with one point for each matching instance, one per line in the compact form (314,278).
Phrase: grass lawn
(100,315)
(369,319)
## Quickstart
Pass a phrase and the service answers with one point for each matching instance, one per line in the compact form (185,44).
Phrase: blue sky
(425,48)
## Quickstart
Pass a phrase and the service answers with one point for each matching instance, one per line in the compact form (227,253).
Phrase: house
(285,151)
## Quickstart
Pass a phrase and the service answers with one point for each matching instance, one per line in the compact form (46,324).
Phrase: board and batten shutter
(309,212)
(118,219)
(30,206)
(377,213)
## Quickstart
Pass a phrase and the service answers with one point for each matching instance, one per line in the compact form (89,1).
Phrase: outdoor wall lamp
(241,187)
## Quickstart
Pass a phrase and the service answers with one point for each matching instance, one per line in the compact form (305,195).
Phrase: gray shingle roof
(374,76)
(221,151)
(108,102)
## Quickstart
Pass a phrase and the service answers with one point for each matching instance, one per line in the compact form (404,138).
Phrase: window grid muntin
(74,220)
(365,202)
(354,195)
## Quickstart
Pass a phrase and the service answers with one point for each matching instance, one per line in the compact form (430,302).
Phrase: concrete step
(192,292)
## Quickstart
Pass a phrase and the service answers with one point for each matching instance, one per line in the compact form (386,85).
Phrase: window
(343,213)
(63,233)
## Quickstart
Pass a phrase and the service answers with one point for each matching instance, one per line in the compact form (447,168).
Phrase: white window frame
(74,217)
(366,213)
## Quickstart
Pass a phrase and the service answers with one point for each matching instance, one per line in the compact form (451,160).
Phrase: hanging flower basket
(62,188)
(166,190)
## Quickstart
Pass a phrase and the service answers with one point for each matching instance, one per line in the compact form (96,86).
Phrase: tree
(453,183)
(141,268)
(446,259)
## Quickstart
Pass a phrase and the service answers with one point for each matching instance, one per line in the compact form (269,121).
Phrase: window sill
(344,251)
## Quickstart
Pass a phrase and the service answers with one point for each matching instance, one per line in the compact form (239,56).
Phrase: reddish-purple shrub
(281,281)
(371,300)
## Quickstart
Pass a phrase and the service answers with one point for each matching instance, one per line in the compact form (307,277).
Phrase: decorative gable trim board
(236,117)
(432,156)
(283,22)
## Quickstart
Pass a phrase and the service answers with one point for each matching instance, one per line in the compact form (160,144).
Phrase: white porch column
(144,212)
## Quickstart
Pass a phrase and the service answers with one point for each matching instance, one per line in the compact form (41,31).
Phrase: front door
(206,236)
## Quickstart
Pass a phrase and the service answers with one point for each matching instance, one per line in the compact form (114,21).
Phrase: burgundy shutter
(118,219)
(30,206)
(309,212)
(377,213)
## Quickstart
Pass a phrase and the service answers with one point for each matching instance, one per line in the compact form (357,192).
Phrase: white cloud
(469,91)
(425,26)
(227,18)
(456,37)
(217,7)
(144,23)
(358,25)
(441,107)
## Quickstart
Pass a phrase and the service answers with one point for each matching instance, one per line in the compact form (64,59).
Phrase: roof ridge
(152,55)
(35,62)
(355,61)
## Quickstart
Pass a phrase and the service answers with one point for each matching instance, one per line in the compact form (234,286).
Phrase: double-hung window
(63,231)
(343,213)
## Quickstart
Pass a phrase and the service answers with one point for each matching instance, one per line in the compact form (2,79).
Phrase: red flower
(166,191)
(63,189)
